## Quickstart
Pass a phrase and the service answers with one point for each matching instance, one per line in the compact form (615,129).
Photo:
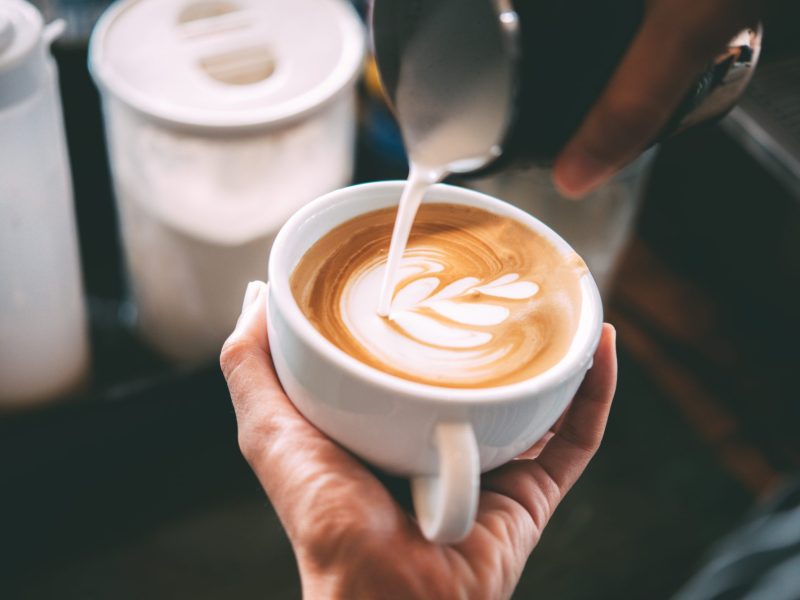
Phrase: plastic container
(44,348)
(222,119)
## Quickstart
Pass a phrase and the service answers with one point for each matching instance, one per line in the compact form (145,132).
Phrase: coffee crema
(481,300)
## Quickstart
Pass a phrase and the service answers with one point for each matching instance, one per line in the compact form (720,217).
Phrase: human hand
(350,537)
(675,43)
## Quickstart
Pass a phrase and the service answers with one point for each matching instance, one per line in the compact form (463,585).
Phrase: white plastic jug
(222,119)
(44,349)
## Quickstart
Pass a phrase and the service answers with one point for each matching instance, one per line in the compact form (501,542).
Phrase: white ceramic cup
(442,438)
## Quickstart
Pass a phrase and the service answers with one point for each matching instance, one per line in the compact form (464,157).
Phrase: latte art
(481,300)
(450,316)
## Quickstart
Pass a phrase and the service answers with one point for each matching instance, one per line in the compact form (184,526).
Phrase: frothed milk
(419,180)
(481,300)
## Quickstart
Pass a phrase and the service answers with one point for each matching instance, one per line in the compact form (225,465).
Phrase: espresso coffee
(481,299)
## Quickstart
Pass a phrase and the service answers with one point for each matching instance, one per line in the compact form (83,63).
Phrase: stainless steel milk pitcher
(524,72)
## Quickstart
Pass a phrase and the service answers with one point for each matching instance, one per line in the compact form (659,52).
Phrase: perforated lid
(227,63)
(20,31)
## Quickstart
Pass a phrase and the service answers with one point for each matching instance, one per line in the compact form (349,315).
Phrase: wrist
(371,579)
(327,584)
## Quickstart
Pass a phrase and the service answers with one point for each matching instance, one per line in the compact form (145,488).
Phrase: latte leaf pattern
(509,286)
(461,302)
(480,299)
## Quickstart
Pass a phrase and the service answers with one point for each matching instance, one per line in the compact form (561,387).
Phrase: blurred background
(133,486)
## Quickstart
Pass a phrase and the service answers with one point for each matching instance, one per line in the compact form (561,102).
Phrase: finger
(539,485)
(675,43)
(299,467)
(245,353)
(535,450)
(581,432)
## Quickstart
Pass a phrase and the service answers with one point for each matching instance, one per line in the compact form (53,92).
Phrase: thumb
(245,357)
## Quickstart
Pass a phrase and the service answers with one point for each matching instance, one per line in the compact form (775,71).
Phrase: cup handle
(446,503)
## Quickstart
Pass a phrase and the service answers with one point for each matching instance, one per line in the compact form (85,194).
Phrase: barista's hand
(676,41)
(351,539)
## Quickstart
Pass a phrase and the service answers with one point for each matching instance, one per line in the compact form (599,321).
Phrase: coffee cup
(442,438)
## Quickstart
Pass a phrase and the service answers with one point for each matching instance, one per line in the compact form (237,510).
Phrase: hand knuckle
(250,443)
(589,444)
(262,435)
(234,352)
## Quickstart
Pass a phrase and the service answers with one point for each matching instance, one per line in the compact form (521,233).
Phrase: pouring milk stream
(440,139)
(433,154)
(452,120)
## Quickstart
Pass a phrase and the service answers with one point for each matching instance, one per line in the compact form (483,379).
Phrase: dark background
(137,489)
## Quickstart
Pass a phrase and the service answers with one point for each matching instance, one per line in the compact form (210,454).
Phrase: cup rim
(580,352)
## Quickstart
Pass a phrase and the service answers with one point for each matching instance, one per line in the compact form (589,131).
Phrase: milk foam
(460,303)
(480,299)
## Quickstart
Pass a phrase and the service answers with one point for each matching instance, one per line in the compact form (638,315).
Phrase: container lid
(20,31)
(227,63)
(20,55)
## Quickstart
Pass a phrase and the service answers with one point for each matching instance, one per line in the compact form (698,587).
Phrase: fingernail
(578,173)
(251,294)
